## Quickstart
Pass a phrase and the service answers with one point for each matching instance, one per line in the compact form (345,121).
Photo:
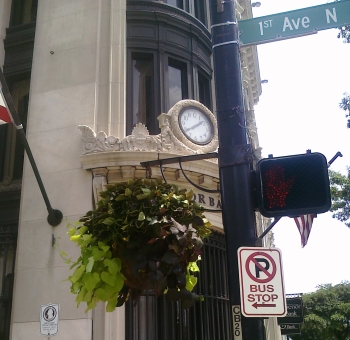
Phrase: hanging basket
(143,235)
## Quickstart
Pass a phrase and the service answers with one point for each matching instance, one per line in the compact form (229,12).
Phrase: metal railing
(157,318)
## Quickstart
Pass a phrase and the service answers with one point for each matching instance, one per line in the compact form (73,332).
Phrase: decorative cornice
(168,141)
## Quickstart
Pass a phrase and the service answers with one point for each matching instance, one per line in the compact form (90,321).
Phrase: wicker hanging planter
(144,235)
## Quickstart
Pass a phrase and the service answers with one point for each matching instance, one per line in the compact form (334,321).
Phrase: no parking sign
(261,282)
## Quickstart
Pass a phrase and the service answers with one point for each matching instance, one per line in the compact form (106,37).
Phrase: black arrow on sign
(256,305)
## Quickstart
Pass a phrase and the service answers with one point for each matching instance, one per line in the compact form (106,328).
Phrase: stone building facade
(95,83)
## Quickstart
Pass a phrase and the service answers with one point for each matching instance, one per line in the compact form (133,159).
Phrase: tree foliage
(344,31)
(326,313)
(345,105)
(340,194)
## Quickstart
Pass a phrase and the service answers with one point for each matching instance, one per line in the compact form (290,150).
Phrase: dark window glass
(23,12)
(8,238)
(20,94)
(199,10)
(3,134)
(142,88)
(204,90)
(178,87)
(176,3)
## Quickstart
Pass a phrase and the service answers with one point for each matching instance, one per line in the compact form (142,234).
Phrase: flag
(4,112)
(304,224)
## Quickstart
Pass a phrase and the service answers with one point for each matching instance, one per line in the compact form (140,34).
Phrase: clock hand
(194,126)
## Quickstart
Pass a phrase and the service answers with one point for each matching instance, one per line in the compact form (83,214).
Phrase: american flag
(304,224)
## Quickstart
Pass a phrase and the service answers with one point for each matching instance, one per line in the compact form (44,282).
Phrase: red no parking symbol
(260,263)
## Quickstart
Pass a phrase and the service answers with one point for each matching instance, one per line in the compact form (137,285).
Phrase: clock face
(196,125)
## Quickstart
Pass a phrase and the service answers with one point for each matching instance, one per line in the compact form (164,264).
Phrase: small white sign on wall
(49,318)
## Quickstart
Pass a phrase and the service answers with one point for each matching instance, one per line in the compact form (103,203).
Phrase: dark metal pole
(55,216)
(234,152)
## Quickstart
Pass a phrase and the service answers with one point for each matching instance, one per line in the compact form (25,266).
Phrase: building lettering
(209,201)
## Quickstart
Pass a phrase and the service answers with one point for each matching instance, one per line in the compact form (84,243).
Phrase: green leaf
(75,287)
(141,216)
(78,273)
(128,192)
(88,296)
(101,294)
(91,304)
(91,280)
(114,265)
(120,279)
(191,281)
(109,221)
(83,230)
(80,296)
(110,291)
(71,231)
(90,264)
(111,304)
(122,197)
(103,247)
(108,278)
(142,196)
(193,267)
(98,254)
(75,238)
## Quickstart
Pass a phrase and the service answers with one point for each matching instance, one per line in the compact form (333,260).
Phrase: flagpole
(55,216)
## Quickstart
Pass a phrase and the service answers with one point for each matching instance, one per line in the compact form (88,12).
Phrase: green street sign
(293,24)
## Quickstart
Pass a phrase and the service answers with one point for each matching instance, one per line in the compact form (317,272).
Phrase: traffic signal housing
(293,185)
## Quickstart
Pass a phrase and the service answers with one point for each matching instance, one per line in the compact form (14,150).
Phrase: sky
(299,110)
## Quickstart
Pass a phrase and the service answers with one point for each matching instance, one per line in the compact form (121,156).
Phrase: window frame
(151,123)
(186,81)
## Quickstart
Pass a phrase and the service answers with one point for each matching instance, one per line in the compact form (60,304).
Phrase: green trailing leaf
(80,296)
(101,294)
(91,304)
(111,304)
(91,280)
(71,231)
(108,278)
(83,230)
(114,265)
(75,238)
(90,264)
(78,273)
(144,234)
(193,267)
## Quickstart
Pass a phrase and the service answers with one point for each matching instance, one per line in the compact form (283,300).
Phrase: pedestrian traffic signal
(293,185)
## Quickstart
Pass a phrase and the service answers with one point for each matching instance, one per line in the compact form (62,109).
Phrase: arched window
(168,59)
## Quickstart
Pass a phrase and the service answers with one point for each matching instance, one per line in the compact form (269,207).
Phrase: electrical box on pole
(293,185)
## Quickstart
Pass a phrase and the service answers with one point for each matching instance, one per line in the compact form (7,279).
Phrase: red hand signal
(277,187)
